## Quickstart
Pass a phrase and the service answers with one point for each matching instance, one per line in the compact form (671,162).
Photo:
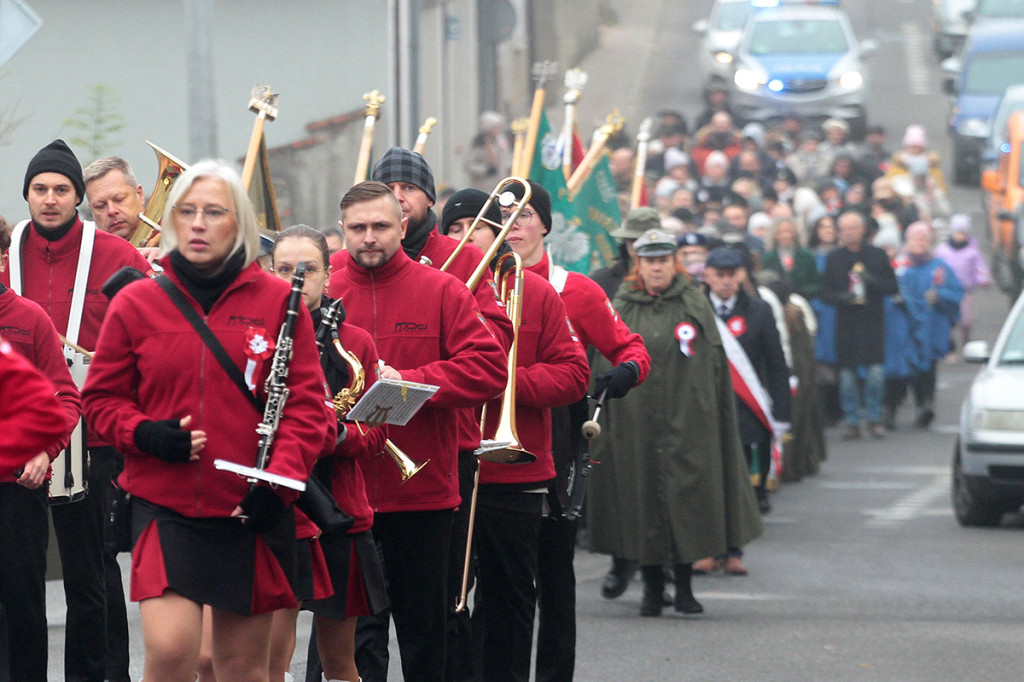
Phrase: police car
(802,59)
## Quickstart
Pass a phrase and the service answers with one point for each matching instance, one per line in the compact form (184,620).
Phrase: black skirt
(357,575)
(213,561)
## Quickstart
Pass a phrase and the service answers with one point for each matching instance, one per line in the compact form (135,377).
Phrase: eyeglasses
(525,216)
(287,269)
(212,215)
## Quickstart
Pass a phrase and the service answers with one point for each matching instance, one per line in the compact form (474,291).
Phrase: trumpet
(345,399)
(149,220)
(505,198)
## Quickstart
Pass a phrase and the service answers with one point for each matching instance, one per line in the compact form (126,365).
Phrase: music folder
(390,401)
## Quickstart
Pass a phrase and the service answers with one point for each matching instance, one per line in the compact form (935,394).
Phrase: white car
(988,459)
(720,33)
(803,60)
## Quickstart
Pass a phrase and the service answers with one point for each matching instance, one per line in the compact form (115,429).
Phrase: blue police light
(775,85)
(1005,148)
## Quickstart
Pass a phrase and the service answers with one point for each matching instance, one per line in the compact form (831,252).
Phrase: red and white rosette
(686,333)
(737,324)
(258,347)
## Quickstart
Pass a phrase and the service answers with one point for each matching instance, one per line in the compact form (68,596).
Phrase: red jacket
(361,442)
(150,364)
(36,417)
(597,322)
(426,325)
(436,251)
(25,326)
(48,271)
(551,370)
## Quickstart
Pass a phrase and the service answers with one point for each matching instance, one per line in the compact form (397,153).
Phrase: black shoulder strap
(209,339)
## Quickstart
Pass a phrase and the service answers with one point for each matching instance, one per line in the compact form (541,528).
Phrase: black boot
(617,579)
(685,602)
(654,587)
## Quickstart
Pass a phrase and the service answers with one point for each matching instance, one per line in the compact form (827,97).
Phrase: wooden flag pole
(373,101)
(264,104)
(542,72)
(580,175)
(421,139)
(643,137)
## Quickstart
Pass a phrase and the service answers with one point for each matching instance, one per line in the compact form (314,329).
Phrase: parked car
(998,9)
(720,32)
(1006,208)
(991,61)
(950,21)
(801,59)
(988,458)
(998,137)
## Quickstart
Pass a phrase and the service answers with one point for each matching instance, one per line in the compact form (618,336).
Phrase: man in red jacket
(46,252)
(45,401)
(597,325)
(428,329)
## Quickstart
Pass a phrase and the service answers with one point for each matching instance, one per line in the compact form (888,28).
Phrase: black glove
(263,508)
(164,439)
(618,380)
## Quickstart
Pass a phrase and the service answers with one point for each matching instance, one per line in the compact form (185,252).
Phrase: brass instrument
(149,220)
(345,399)
(505,198)
(505,447)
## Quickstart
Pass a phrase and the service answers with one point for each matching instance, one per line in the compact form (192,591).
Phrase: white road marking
(910,507)
(866,485)
(906,470)
(915,49)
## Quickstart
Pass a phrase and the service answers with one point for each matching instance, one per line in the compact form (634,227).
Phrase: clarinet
(277,390)
(328,328)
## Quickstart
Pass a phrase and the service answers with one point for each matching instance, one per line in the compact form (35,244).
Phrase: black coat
(759,336)
(860,327)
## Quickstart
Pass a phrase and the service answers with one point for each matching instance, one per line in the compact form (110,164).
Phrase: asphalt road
(862,573)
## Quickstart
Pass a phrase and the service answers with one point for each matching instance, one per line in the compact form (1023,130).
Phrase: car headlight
(973,127)
(747,79)
(851,80)
(997,420)
(722,57)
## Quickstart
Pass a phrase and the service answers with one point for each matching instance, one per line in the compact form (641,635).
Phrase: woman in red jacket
(355,572)
(156,390)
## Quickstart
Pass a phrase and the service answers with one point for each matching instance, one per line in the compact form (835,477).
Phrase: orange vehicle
(1005,186)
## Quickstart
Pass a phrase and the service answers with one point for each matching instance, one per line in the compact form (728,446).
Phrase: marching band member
(158,391)
(352,560)
(411,179)
(598,325)
(48,250)
(552,371)
(441,339)
(37,426)
(116,199)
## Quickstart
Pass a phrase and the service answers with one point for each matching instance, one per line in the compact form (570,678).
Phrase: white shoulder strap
(558,276)
(81,279)
(14,255)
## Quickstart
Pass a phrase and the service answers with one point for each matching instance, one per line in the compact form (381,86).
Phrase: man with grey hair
(115,196)
(335,238)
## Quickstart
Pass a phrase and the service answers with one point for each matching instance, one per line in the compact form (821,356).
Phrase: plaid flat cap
(403,165)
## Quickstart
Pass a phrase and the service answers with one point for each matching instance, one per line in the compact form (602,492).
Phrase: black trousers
(414,547)
(459,645)
(506,537)
(89,569)
(24,531)
(106,465)
(921,383)
(556,599)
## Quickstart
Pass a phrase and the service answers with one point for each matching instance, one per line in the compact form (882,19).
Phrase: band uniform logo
(406,327)
(14,331)
(243,321)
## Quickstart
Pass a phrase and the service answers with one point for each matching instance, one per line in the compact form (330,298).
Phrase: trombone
(505,198)
(505,447)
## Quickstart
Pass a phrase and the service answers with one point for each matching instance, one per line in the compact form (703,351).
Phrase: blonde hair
(248,237)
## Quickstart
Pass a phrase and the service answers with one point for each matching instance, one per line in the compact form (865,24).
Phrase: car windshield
(1000,8)
(1013,351)
(797,36)
(730,16)
(992,73)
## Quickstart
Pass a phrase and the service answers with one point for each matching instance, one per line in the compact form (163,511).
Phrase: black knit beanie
(467,204)
(540,200)
(56,157)
(403,165)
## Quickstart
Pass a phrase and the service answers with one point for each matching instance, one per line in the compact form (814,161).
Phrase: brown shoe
(876,430)
(708,565)
(734,566)
(850,432)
